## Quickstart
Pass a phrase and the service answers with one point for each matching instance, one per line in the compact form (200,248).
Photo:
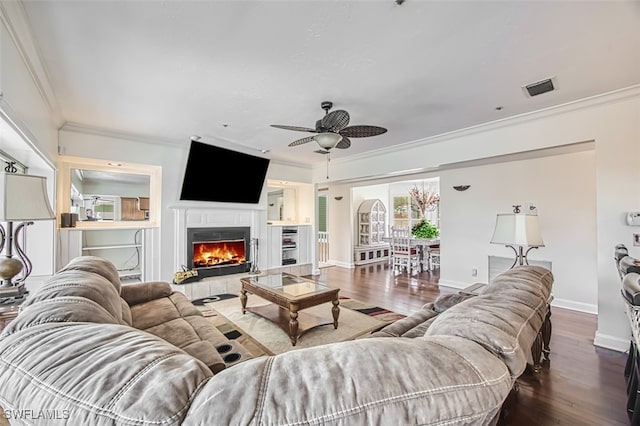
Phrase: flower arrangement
(425,200)
(425,229)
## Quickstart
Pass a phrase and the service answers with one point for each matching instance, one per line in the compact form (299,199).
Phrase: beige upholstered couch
(75,355)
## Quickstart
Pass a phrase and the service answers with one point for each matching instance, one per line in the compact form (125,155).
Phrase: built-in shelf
(290,245)
(129,274)
(124,247)
(117,246)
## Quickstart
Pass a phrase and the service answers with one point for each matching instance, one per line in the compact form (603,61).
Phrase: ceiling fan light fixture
(327,140)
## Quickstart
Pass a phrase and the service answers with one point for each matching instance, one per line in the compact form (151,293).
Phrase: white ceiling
(226,70)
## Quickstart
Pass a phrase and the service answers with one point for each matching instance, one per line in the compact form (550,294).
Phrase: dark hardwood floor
(581,384)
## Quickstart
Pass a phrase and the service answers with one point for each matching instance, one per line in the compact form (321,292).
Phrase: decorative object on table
(23,199)
(425,200)
(425,229)
(461,187)
(518,230)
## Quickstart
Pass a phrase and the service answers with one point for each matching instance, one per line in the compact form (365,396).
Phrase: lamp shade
(24,198)
(518,230)
(327,140)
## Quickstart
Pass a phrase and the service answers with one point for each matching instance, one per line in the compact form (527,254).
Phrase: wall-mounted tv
(219,174)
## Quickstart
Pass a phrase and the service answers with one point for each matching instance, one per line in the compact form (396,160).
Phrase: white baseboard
(575,306)
(453,285)
(609,342)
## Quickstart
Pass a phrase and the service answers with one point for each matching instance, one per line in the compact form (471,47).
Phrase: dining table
(423,245)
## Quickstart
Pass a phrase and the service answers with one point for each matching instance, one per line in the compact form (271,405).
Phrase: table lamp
(518,230)
(23,198)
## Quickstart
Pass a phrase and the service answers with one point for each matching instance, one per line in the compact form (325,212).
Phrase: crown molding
(615,96)
(13,16)
(155,140)
(118,134)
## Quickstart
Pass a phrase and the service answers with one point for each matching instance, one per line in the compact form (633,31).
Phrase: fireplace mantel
(205,205)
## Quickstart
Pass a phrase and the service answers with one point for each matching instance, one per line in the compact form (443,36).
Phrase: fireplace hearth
(219,251)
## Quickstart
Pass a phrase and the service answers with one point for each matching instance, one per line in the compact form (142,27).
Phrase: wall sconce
(461,187)
(338,198)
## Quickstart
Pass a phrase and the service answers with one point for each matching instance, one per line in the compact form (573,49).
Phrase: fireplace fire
(218,253)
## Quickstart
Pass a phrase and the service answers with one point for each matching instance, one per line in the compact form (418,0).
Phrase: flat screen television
(219,174)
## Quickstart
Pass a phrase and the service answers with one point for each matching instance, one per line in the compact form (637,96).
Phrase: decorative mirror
(109,194)
(281,202)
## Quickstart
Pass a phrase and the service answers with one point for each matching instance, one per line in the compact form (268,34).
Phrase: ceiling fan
(332,130)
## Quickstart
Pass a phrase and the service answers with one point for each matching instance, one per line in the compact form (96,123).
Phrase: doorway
(323,226)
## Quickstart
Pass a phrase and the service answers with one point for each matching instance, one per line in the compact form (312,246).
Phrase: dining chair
(434,257)
(405,256)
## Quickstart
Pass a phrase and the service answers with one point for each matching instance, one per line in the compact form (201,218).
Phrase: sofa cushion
(445,301)
(176,320)
(145,292)
(126,313)
(152,313)
(98,374)
(96,265)
(505,318)
(60,310)
(446,380)
(410,326)
(80,284)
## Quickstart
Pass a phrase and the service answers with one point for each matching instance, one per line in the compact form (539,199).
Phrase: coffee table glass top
(288,284)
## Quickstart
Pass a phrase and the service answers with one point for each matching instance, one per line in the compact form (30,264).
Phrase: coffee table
(289,294)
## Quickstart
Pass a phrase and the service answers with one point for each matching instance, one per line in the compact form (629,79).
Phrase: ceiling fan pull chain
(328,159)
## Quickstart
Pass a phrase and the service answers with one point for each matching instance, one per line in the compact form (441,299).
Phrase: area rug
(262,337)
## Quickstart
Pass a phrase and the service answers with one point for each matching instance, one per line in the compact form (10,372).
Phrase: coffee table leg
(293,326)
(243,300)
(336,312)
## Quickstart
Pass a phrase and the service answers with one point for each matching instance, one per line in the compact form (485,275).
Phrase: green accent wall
(322,214)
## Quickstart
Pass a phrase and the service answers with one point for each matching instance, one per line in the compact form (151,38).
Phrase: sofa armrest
(135,294)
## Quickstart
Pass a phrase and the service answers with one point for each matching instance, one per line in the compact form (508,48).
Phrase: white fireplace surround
(208,216)
(217,215)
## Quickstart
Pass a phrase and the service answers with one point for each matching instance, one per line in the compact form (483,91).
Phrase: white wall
(562,188)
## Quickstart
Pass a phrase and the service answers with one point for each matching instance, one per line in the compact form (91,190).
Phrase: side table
(540,349)
(9,309)
(7,313)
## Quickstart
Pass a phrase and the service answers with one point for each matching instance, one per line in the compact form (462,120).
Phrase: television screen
(219,174)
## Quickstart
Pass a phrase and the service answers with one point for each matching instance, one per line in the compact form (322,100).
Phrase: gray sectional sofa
(72,352)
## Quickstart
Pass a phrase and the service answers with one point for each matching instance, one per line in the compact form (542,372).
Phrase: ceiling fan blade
(302,141)
(296,128)
(335,120)
(362,131)
(344,143)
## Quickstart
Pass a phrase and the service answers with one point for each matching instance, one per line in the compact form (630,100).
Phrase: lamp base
(521,255)
(9,268)
(13,291)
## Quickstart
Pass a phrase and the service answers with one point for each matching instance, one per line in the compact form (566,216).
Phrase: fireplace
(219,251)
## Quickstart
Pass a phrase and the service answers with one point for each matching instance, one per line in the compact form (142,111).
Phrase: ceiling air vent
(539,87)
(321,151)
